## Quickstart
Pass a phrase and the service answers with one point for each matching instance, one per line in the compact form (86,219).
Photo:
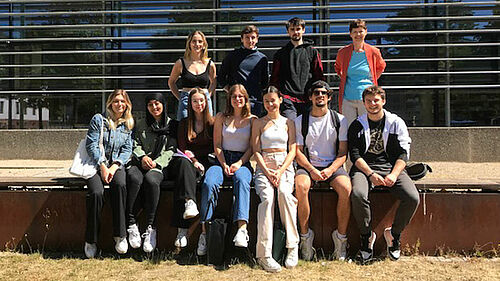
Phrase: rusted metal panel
(55,221)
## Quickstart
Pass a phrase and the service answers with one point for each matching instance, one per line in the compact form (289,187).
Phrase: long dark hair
(208,120)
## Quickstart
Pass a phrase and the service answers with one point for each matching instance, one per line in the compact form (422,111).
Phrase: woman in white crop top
(232,130)
(272,136)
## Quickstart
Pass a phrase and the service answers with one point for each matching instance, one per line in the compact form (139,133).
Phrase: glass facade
(66,56)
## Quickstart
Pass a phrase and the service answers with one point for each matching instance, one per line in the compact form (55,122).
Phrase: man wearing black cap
(321,153)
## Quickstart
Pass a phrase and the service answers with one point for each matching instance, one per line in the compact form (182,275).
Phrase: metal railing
(109,29)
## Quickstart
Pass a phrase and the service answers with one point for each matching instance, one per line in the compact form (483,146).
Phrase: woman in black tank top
(194,69)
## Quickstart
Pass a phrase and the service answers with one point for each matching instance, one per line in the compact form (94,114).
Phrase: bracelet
(370,175)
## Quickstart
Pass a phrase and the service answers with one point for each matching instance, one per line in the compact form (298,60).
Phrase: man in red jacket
(295,67)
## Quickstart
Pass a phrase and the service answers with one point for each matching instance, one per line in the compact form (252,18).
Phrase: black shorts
(340,172)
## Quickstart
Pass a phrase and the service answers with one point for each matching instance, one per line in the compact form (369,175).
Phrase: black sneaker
(366,250)
(393,245)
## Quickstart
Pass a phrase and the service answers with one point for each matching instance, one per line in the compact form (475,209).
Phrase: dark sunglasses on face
(319,92)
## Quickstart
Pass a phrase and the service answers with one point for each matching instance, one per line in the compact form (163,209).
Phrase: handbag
(216,239)
(83,166)
(216,234)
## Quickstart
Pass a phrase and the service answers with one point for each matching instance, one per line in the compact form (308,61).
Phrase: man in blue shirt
(247,66)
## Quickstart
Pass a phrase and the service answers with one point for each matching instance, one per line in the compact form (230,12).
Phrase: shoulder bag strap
(336,125)
(305,130)
(101,137)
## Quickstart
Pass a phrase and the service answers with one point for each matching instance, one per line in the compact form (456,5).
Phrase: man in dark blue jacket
(295,67)
(247,66)
(379,146)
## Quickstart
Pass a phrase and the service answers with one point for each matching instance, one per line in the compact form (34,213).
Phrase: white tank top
(276,136)
(236,139)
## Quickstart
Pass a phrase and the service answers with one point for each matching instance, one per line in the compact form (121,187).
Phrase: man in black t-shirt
(379,146)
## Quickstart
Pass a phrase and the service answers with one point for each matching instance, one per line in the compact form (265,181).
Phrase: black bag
(417,171)
(216,234)
(279,234)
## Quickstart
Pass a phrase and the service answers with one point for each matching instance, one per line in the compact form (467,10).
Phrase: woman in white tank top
(232,130)
(272,136)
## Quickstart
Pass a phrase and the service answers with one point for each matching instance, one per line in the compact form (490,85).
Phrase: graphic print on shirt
(376,141)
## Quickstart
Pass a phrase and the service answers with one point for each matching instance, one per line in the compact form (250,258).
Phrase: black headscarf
(164,128)
(160,127)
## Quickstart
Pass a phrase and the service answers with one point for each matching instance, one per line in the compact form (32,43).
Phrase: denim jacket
(117,143)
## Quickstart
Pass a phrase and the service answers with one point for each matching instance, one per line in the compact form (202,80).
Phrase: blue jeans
(183,104)
(214,178)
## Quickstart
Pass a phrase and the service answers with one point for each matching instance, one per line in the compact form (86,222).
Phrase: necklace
(276,128)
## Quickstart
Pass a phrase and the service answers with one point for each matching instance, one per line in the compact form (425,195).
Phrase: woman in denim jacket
(232,131)
(117,145)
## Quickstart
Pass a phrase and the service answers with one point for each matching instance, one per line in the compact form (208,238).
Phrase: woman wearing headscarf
(152,161)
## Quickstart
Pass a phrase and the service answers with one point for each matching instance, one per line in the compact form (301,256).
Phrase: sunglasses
(319,92)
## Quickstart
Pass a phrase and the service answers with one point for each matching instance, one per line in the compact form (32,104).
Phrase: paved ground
(59,168)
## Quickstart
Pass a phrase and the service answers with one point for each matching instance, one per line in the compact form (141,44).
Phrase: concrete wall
(40,144)
(472,144)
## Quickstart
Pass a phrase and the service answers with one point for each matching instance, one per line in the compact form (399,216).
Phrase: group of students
(297,142)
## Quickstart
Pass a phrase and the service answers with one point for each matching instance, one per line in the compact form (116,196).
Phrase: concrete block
(51,144)
(470,145)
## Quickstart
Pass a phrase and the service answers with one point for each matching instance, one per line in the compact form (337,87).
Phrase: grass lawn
(17,266)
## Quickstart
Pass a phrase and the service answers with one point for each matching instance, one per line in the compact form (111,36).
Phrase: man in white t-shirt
(321,159)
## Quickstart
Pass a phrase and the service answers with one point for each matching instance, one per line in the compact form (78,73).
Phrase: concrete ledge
(55,221)
(471,144)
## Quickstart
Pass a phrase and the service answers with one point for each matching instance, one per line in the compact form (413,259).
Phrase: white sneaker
(190,210)
(241,238)
(269,264)
(393,245)
(181,240)
(121,245)
(202,245)
(306,245)
(90,250)
(340,252)
(366,251)
(149,239)
(134,237)
(292,258)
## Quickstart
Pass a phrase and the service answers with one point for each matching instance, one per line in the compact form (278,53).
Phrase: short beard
(295,38)
(321,105)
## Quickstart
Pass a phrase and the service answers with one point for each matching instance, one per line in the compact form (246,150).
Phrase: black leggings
(148,182)
(144,190)
(95,201)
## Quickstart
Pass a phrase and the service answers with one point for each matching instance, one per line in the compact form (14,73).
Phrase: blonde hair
(245,112)
(187,52)
(126,118)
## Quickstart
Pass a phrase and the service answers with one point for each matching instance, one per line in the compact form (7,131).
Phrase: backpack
(305,129)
